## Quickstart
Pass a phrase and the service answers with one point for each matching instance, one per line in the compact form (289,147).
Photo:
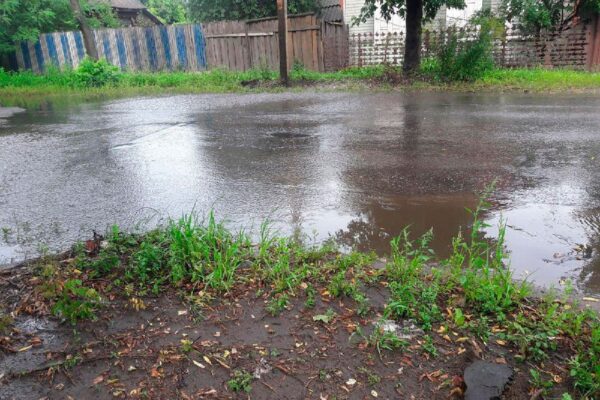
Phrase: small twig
(288,373)
(19,374)
(11,283)
(269,386)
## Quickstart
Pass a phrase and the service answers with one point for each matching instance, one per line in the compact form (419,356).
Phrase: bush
(463,60)
(92,73)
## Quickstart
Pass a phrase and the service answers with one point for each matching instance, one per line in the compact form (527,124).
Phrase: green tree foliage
(535,16)
(168,11)
(415,12)
(219,10)
(26,19)
(99,14)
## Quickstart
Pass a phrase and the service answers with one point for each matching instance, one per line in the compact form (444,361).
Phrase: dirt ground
(163,348)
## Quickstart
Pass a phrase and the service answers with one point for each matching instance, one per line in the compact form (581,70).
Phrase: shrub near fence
(513,49)
(158,48)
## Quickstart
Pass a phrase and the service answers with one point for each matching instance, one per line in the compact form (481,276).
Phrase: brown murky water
(357,167)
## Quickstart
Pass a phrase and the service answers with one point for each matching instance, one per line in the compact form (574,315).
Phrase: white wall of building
(377,24)
(461,17)
(352,9)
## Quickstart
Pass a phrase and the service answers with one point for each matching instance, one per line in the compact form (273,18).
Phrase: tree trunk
(412,48)
(88,35)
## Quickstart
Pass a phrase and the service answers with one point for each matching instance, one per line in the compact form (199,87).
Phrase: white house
(445,17)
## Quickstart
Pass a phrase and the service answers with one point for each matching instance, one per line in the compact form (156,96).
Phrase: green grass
(540,79)
(470,292)
(21,88)
(17,88)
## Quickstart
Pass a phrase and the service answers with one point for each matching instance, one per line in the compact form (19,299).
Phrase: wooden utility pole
(283,39)
(88,35)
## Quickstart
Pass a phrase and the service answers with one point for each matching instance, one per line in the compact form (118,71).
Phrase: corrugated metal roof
(331,11)
(130,4)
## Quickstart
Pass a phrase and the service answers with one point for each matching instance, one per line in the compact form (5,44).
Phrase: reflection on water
(355,167)
(382,219)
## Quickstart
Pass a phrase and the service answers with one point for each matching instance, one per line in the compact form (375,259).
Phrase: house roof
(128,4)
(331,11)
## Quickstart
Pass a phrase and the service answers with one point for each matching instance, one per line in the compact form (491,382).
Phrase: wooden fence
(243,45)
(335,46)
(569,48)
(178,47)
(233,45)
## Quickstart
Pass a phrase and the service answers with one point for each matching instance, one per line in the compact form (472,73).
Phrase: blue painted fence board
(121,50)
(164,38)
(80,45)
(64,42)
(181,50)
(200,46)
(39,55)
(26,56)
(156,48)
(151,46)
(52,50)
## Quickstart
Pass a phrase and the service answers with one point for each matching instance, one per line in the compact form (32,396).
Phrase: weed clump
(464,59)
(92,73)
(6,322)
(241,381)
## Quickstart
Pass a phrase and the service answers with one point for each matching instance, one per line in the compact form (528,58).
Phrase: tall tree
(22,20)
(86,31)
(218,10)
(168,11)
(25,19)
(415,13)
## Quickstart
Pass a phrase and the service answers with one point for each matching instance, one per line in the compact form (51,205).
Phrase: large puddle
(354,166)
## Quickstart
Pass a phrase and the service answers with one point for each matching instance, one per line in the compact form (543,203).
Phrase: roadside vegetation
(469,301)
(93,80)
(455,65)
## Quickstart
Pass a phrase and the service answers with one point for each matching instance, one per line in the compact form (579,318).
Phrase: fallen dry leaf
(476,349)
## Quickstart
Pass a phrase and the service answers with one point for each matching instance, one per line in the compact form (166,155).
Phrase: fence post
(503,53)
(360,50)
(283,36)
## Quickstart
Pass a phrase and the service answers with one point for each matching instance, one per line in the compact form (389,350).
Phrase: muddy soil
(160,347)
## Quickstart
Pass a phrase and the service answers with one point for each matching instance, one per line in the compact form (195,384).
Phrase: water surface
(357,167)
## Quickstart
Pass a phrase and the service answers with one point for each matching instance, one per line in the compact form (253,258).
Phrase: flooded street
(357,167)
